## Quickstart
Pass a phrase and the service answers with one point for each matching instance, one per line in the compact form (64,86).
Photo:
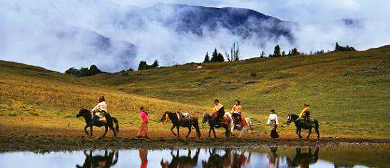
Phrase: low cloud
(62,34)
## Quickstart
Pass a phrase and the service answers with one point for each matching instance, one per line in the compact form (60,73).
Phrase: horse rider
(218,111)
(237,111)
(305,113)
(99,110)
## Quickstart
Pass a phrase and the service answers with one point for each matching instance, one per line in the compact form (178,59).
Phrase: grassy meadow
(348,93)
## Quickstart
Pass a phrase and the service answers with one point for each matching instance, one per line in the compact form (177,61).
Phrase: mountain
(201,21)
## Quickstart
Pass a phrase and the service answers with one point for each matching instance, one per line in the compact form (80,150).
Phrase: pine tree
(206,58)
(276,51)
(155,64)
(220,58)
(214,56)
(295,51)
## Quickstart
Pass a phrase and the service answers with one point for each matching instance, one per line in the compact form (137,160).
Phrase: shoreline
(43,144)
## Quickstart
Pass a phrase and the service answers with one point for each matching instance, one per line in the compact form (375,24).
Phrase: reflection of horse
(182,122)
(109,159)
(217,161)
(181,161)
(240,159)
(303,159)
(212,121)
(86,114)
(301,124)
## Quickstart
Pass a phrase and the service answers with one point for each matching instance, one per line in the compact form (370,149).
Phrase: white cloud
(29,30)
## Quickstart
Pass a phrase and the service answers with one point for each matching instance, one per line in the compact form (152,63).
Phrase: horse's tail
(196,126)
(116,124)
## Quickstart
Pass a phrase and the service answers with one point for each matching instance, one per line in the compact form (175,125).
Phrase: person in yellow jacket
(237,111)
(305,113)
(218,110)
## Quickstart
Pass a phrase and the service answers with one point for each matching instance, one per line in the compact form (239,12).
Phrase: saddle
(101,115)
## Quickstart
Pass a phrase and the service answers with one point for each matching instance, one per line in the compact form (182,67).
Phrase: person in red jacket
(143,129)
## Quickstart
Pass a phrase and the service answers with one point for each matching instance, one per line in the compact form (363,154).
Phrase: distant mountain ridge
(199,19)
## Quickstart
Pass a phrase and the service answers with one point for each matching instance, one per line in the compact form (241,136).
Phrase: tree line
(83,72)
(216,56)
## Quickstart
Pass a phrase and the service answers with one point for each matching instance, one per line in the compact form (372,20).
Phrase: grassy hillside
(348,92)
(36,99)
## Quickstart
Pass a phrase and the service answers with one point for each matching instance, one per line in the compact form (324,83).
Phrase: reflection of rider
(143,155)
(274,122)
(303,160)
(99,161)
(305,113)
(99,110)
(237,112)
(218,110)
(273,158)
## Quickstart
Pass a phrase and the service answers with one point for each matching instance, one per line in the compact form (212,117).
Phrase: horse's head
(206,117)
(164,117)
(291,118)
(83,113)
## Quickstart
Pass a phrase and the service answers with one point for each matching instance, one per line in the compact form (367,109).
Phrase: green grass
(348,91)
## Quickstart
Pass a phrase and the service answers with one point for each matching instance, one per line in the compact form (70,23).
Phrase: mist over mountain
(115,35)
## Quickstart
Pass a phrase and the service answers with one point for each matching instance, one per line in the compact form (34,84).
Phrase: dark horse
(303,159)
(86,114)
(181,161)
(183,122)
(212,121)
(302,124)
(109,159)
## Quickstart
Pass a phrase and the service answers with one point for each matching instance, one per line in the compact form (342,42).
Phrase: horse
(303,159)
(86,114)
(228,125)
(300,124)
(181,161)
(217,160)
(239,126)
(182,122)
(109,159)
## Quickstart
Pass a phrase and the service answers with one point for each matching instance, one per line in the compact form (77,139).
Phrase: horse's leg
(209,132)
(318,133)
(105,131)
(299,133)
(178,131)
(85,129)
(308,135)
(113,130)
(172,130)
(91,130)
(189,131)
(215,135)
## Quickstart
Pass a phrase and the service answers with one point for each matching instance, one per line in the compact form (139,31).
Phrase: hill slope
(348,92)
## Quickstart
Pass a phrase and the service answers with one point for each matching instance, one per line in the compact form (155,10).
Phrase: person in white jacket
(274,122)
(99,109)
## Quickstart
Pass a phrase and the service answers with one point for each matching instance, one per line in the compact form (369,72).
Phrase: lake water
(282,157)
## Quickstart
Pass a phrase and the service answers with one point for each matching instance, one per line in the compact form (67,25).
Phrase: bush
(82,72)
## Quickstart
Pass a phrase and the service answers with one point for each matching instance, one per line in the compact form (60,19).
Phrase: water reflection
(99,161)
(178,161)
(303,159)
(271,157)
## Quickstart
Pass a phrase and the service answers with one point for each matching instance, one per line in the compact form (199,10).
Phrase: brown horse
(212,121)
(178,121)
(86,114)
